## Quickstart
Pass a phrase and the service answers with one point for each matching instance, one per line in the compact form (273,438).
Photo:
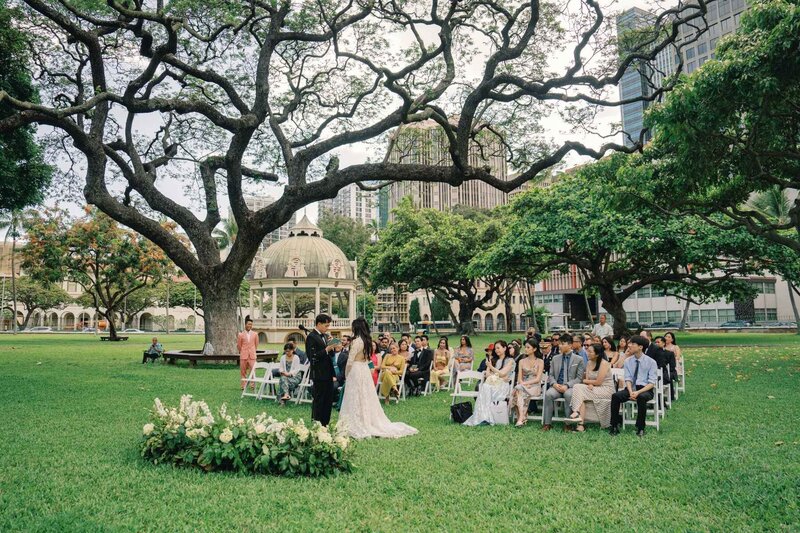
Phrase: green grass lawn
(727,458)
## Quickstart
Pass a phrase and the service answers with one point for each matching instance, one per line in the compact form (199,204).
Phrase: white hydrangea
(147,429)
(260,429)
(302,432)
(265,450)
(160,408)
(226,436)
(342,442)
(324,437)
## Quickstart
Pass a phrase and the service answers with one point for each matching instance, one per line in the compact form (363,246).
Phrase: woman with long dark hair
(361,414)
(464,355)
(598,384)
(529,381)
(491,406)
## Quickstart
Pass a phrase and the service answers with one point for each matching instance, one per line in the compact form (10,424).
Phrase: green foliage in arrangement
(190,435)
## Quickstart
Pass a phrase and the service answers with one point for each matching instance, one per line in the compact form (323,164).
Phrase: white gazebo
(297,278)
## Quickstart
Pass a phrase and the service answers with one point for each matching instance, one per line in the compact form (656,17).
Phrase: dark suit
(322,373)
(422,360)
(666,362)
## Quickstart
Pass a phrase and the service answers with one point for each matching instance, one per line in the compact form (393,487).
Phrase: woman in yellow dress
(441,368)
(392,365)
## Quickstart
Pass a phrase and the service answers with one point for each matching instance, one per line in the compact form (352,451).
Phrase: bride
(361,414)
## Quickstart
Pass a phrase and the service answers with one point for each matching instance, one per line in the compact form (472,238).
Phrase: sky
(555,128)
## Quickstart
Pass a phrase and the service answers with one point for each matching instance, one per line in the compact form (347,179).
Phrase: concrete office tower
(425,143)
(353,203)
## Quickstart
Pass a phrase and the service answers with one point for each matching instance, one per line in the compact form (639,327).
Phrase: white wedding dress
(361,414)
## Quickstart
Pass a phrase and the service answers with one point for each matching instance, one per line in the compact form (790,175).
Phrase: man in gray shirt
(566,371)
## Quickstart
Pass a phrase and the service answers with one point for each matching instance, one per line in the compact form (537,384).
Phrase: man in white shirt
(603,329)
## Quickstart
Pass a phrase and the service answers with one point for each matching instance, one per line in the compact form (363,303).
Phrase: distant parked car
(40,329)
(633,325)
(557,329)
(666,325)
(736,324)
(132,330)
(88,330)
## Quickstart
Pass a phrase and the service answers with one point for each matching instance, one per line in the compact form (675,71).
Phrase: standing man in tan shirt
(247,344)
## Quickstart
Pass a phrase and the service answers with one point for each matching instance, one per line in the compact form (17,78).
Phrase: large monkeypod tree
(223,94)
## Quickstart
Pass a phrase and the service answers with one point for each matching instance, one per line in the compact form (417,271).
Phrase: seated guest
(602,328)
(392,366)
(495,388)
(405,349)
(375,360)
(441,364)
(339,357)
(489,353)
(411,347)
(154,351)
(289,370)
(517,355)
(464,355)
(597,384)
(672,346)
(640,380)
(611,352)
(566,371)
(383,345)
(419,369)
(578,347)
(529,381)
(670,372)
(664,359)
(300,353)
(554,351)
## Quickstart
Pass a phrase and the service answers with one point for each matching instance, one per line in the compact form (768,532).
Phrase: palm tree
(10,222)
(774,204)
(226,233)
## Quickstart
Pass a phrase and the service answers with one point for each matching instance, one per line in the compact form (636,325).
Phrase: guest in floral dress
(289,371)
(597,387)
(529,381)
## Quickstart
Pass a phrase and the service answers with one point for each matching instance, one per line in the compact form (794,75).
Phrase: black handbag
(460,412)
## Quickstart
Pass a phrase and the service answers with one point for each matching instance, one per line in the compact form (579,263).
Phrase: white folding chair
(428,388)
(682,373)
(459,391)
(540,398)
(260,374)
(301,393)
(401,386)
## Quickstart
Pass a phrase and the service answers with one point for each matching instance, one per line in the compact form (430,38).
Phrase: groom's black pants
(322,401)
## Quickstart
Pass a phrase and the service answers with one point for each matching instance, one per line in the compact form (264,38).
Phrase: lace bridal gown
(361,413)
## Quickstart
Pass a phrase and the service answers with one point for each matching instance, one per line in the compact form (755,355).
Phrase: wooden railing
(293,323)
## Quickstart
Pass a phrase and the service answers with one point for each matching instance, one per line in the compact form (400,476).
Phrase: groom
(318,352)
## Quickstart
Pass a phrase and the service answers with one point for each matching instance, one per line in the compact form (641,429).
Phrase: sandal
(519,425)
(574,420)
(580,428)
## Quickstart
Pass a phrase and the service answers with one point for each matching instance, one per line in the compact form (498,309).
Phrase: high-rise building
(425,143)
(642,79)
(255,203)
(352,202)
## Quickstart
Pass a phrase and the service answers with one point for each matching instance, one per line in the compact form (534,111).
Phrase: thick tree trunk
(614,305)
(685,316)
(112,326)
(794,305)
(221,319)
(465,312)
(507,302)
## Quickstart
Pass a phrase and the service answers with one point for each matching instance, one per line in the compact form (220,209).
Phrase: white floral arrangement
(191,435)
(495,380)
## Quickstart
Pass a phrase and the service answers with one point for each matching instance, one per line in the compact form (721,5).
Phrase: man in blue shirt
(578,347)
(640,381)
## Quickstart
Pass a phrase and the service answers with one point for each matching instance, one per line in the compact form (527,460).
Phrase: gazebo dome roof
(305,254)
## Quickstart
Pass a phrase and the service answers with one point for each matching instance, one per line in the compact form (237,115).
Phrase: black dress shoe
(640,433)
(613,430)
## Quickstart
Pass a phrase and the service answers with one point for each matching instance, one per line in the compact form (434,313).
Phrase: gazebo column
(274,312)
(292,306)
(352,311)
(316,300)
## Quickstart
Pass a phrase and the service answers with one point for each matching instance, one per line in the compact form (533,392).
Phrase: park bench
(108,338)
(193,356)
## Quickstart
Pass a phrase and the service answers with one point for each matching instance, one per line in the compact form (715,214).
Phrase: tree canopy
(108,261)
(621,244)
(350,235)
(35,295)
(235,94)
(430,249)
(24,177)
(732,129)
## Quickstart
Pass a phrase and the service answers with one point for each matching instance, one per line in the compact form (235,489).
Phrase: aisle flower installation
(190,435)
